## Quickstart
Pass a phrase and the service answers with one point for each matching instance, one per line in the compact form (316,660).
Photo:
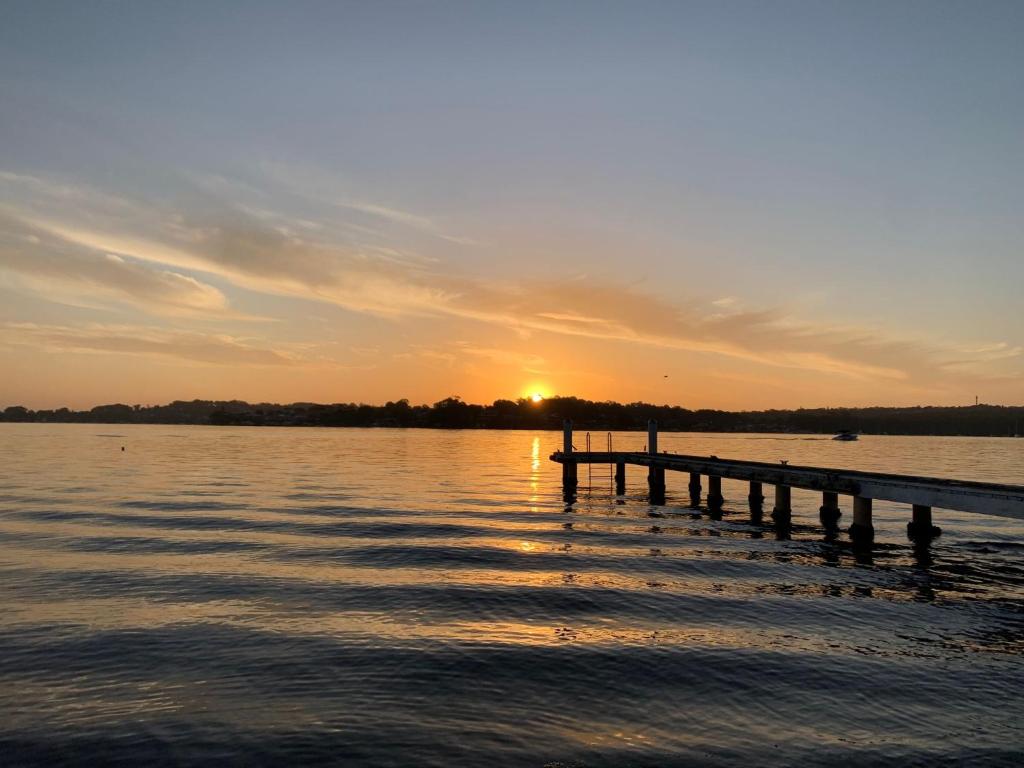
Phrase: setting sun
(536,397)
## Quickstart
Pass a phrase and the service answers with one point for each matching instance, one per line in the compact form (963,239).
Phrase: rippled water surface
(407,597)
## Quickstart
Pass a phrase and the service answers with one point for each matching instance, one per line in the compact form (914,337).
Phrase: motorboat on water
(846,436)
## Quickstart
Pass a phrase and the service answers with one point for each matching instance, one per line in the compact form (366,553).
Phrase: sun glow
(536,397)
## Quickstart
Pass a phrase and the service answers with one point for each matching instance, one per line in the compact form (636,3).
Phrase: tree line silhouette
(454,413)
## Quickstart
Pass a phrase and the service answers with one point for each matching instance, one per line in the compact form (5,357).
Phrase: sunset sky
(723,204)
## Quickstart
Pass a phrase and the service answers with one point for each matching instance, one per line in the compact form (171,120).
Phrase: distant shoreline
(597,430)
(452,413)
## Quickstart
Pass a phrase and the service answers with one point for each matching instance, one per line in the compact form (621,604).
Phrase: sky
(717,205)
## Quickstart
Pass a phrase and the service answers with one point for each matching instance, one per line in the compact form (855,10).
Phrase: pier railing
(922,493)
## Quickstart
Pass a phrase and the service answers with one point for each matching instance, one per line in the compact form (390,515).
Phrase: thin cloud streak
(50,265)
(319,188)
(250,254)
(213,349)
(422,223)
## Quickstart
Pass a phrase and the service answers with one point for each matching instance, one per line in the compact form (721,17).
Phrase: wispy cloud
(248,252)
(321,188)
(390,214)
(142,340)
(421,223)
(53,266)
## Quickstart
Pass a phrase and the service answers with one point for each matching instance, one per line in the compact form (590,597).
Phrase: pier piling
(829,513)
(656,484)
(620,478)
(655,474)
(715,498)
(782,514)
(756,498)
(569,479)
(920,527)
(694,488)
(652,437)
(862,530)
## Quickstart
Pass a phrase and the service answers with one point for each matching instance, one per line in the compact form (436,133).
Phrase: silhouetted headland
(453,413)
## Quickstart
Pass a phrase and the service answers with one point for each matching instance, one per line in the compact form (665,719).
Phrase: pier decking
(923,493)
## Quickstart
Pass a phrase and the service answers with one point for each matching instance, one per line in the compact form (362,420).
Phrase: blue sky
(779,204)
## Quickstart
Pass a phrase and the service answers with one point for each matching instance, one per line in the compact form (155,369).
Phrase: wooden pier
(922,493)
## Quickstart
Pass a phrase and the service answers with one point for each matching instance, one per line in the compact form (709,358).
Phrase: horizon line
(521,400)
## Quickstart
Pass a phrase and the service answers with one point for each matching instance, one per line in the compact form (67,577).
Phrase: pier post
(783,512)
(569,480)
(620,478)
(655,475)
(920,527)
(756,501)
(756,496)
(829,513)
(694,488)
(715,498)
(862,529)
(656,484)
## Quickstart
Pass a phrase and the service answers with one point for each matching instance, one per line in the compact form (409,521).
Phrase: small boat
(846,436)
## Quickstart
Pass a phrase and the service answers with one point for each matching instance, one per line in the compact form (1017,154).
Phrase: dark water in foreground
(391,598)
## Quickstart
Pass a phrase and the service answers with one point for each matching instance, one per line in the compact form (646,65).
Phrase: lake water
(413,597)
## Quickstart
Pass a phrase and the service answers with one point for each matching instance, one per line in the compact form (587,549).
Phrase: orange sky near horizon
(542,363)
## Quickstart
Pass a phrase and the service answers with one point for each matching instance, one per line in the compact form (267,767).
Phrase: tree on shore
(454,413)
